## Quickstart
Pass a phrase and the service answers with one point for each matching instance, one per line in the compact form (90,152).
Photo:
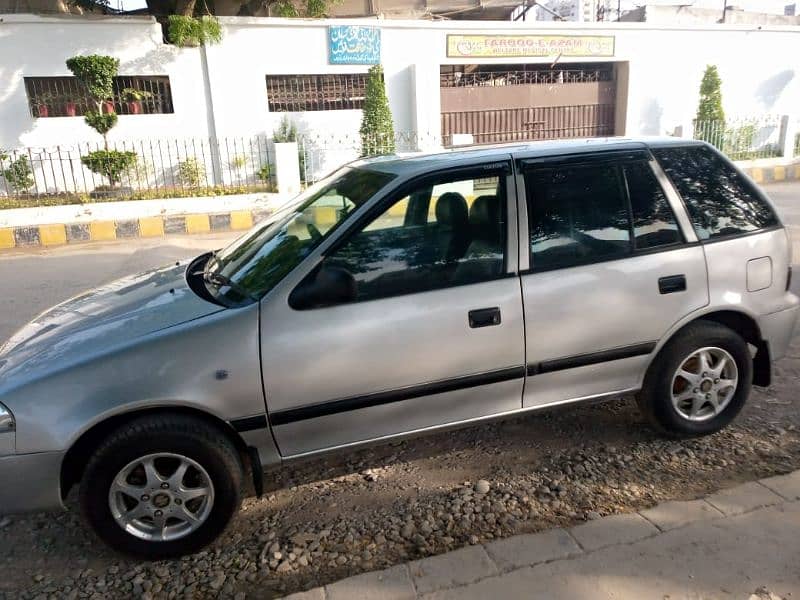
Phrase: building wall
(692,15)
(758,66)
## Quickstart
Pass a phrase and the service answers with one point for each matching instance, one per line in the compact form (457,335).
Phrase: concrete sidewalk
(742,542)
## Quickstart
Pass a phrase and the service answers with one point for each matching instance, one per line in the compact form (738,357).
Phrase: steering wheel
(313,232)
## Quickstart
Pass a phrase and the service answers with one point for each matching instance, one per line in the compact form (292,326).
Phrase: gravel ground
(328,519)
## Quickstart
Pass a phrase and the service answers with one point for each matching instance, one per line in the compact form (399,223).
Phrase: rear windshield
(719,200)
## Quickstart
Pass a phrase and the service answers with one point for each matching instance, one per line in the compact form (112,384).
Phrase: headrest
(485,210)
(451,209)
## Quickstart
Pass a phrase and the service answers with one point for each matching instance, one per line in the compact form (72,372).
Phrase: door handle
(484,317)
(672,284)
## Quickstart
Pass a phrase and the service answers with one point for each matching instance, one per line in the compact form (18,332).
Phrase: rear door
(610,268)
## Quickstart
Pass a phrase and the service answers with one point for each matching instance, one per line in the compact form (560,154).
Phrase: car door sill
(462,423)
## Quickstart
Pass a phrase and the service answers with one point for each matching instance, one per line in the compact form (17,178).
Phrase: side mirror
(326,286)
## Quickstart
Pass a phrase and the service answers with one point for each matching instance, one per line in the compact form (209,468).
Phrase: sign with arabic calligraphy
(354,45)
(501,46)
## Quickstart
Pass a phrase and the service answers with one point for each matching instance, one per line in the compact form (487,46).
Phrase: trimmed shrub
(377,128)
(18,175)
(111,164)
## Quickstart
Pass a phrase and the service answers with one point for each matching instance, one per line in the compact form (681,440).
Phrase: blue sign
(354,45)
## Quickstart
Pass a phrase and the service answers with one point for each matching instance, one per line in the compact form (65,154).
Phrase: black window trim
(619,159)
(500,168)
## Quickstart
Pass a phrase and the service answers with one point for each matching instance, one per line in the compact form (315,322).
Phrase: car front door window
(460,240)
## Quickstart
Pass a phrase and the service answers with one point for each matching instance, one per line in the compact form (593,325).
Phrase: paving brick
(241,219)
(454,568)
(787,486)
(52,235)
(175,224)
(525,550)
(197,223)
(7,238)
(670,515)
(743,498)
(102,230)
(151,226)
(220,222)
(78,232)
(128,228)
(27,236)
(389,584)
(260,215)
(616,529)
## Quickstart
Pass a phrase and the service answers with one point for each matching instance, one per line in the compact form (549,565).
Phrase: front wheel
(162,486)
(699,381)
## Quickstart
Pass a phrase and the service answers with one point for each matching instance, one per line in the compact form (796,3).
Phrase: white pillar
(287,168)
(788,131)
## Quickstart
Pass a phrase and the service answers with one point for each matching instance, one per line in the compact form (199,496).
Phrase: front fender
(209,364)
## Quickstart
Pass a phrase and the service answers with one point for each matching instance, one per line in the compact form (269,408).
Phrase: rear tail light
(788,278)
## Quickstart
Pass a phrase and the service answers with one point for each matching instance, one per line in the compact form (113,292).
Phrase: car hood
(102,319)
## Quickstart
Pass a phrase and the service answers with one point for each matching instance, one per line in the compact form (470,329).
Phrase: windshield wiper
(220,280)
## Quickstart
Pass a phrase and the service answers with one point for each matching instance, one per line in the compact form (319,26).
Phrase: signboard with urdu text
(522,46)
(354,45)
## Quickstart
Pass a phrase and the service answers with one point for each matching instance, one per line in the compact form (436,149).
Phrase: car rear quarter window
(719,200)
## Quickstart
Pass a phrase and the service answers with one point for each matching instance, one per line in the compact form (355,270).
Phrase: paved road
(34,279)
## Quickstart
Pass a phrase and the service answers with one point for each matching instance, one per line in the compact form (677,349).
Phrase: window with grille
(65,97)
(297,93)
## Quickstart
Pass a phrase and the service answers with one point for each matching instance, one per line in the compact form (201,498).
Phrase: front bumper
(30,482)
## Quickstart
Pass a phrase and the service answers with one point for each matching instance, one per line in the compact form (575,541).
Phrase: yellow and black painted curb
(143,227)
(773,174)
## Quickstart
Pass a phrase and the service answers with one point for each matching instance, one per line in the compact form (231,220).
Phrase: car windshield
(254,263)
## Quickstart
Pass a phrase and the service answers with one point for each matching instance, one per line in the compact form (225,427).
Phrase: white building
(495,80)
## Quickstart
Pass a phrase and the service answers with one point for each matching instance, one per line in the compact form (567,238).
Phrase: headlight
(7,422)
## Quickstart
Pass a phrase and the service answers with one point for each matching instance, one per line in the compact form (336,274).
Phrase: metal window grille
(526,77)
(65,97)
(297,93)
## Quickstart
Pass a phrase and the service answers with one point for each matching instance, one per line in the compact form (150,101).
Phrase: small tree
(710,106)
(18,175)
(96,74)
(377,129)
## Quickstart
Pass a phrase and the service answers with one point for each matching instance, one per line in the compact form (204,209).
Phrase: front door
(434,331)
(610,273)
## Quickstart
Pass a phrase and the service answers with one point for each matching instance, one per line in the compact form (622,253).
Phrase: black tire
(183,435)
(655,398)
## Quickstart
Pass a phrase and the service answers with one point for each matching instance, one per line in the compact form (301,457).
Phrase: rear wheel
(162,486)
(699,381)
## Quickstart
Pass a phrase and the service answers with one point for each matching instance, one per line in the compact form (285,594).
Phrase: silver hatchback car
(399,296)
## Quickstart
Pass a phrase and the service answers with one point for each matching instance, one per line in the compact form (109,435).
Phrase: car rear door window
(719,200)
(578,214)
(654,223)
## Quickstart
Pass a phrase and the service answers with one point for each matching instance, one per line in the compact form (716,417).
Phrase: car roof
(414,162)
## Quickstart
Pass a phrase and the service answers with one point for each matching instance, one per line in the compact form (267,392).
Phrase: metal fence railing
(322,153)
(135,169)
(743,139)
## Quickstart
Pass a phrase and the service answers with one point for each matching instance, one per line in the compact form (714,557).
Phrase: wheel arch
(742,323)
(79,453)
